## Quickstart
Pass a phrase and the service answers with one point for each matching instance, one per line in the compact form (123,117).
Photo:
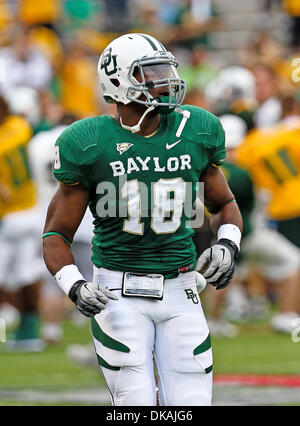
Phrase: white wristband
(231,232)
(67,276)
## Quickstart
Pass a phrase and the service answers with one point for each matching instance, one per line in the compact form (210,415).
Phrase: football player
(265,253)
(20,269)
(271,156)
(135,171)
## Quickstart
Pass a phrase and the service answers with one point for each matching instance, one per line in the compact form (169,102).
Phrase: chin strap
(137,127)
(134,129)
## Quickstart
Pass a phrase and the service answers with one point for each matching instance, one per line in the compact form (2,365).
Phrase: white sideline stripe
(236,395)
(261,368)
(91,396)
(223,395)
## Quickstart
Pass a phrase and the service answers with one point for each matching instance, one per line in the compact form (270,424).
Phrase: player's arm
(219,200)
(65,213)
(217,264)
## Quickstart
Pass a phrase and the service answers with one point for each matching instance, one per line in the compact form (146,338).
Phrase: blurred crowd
(48,62)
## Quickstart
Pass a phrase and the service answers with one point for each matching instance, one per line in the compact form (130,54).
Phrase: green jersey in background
(241,185)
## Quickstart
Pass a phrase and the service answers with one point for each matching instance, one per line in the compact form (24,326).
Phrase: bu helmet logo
(106,62)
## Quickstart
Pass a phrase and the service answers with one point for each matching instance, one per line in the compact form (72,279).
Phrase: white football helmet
(235,130)
(23,100)
(141,55)
(232,83)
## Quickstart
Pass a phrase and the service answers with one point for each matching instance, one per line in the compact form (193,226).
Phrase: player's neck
(131,114)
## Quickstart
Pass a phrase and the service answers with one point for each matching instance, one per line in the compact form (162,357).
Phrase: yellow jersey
(78,81)
(292,7)
(17,190)
(6,17)
(272,157)
(49,43)
(36,11)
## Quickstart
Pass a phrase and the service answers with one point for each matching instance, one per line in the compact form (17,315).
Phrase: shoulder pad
(81,141)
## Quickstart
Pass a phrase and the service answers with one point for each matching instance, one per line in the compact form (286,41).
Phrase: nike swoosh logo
(172,145)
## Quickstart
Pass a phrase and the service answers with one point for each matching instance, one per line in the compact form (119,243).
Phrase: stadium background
(253,363)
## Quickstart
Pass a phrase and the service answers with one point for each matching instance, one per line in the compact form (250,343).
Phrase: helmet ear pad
(136,94)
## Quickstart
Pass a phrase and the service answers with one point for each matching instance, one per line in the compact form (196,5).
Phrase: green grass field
(256,350)
(49,369)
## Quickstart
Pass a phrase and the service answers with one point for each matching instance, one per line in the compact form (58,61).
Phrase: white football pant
(133,332)
(273,254)
(20,246)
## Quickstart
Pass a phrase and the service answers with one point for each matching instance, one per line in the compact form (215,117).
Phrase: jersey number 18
(168,197)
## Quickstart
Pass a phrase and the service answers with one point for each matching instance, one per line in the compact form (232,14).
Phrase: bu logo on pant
(191,295)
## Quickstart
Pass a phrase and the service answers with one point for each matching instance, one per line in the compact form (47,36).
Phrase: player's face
(265,85)
(156,78)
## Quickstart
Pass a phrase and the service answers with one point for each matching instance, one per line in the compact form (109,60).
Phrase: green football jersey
(141,188)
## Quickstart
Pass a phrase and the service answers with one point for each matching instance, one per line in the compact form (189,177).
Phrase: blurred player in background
(23,64)
(78,81)
(269,110)
(268,262)
(52,299)
(241,186)
(20,265)
(272,158)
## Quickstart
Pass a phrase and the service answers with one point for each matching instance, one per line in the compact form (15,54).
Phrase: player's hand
(217,263)
(90,298)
